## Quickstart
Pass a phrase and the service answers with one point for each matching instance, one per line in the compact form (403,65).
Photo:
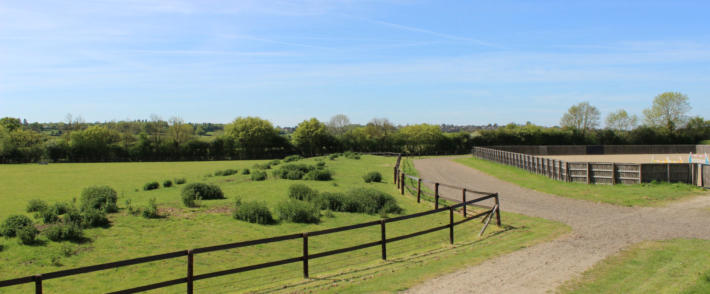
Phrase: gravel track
(598,231)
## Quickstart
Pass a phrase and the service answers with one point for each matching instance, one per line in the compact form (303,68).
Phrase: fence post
(568,178)
(436,196)
(451,225)
(463,195)
(613,174)
(305,255)
(589,174)
(401,186)
(190,269)
(668,172)
(497,210)
(395,175)
(419,190)
(38,284)
(384,239)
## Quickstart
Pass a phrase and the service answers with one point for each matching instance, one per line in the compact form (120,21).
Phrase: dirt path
(598,230)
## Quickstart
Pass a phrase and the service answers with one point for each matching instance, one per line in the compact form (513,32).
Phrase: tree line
(666,122)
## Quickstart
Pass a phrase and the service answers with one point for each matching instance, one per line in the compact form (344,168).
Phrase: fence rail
(596,172)
(304,258)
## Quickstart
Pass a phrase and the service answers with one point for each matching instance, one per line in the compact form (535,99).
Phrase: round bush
(253,212)
(245,171)
(372,177)
(64,232)
(48,216)
(298,212)
(167,184)
(291,158)
(302,192)
(180,181)
(99,197)
(151,186)
(258,175)
(61,207)
(320,164)
(14,223)
(27,235)
(200,191)
(294,175)
(36,205)
(94,218)
(318,175)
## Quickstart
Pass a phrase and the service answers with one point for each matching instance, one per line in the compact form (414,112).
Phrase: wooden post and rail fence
(611,173)
(190,277)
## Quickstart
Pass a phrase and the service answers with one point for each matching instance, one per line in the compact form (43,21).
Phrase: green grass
(647,194)
(704,142)
(212,224)
(675,266)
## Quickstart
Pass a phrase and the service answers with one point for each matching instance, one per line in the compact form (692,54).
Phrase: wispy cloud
(433,33)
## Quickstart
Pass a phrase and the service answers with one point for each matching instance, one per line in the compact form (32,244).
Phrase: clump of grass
(318,175)
(151,186)
(64,232)
(298,212)
(27,235)
(36,205)
(253,212)
(302,192)
(167,184)
(292,158)
(180,181)
(200,191)
(372,177)
(258,175)
(99,197)
(351,155)
(151,211)
(246,171)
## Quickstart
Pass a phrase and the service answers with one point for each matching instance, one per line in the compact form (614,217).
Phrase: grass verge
(674,266)
(647,194)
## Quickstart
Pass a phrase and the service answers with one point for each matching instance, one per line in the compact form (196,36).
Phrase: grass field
(211,224)
(627,195)
(675,266)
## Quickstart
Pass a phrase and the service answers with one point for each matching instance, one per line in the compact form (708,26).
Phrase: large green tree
(620,120)
(312,137)
(252,135)
(581,117)
(421,138)
(669,111)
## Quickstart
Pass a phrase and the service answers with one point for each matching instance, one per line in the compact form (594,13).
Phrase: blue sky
(460,62)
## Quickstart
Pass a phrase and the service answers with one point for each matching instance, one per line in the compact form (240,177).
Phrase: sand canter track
(598,230)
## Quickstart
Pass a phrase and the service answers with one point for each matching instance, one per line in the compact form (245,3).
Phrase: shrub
(94,218)
(262,166)
(294,170)
(73,216)
(167,184)
(99,197)
(180,181)
(332,201)
(320,164)
(36,205)
(253,212)
(302,192)
(318,175)
(27,234)
(245,171)
(351,155)
(298,211)
(291,158)
(200,191)
(258,175)
(48,216)
(371,201)
(151,211)
(151,186)
(229,172)
(61,207)
(361,200)
(12,224)
(333,156)
(63,232)
(274,162)
(372,177)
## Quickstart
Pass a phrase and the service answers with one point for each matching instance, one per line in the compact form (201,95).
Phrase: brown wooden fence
(596,172)
(190,277)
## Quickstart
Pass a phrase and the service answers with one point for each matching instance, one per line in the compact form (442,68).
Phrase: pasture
(211,223)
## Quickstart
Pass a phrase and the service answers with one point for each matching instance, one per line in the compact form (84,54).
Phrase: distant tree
(155,128)
(178,131)
(621,121)
(581,117)
(338,124)
(252,134)
(669,111)
(312,137)
(10,123)
(380,130)
(421,138)
(93,143)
